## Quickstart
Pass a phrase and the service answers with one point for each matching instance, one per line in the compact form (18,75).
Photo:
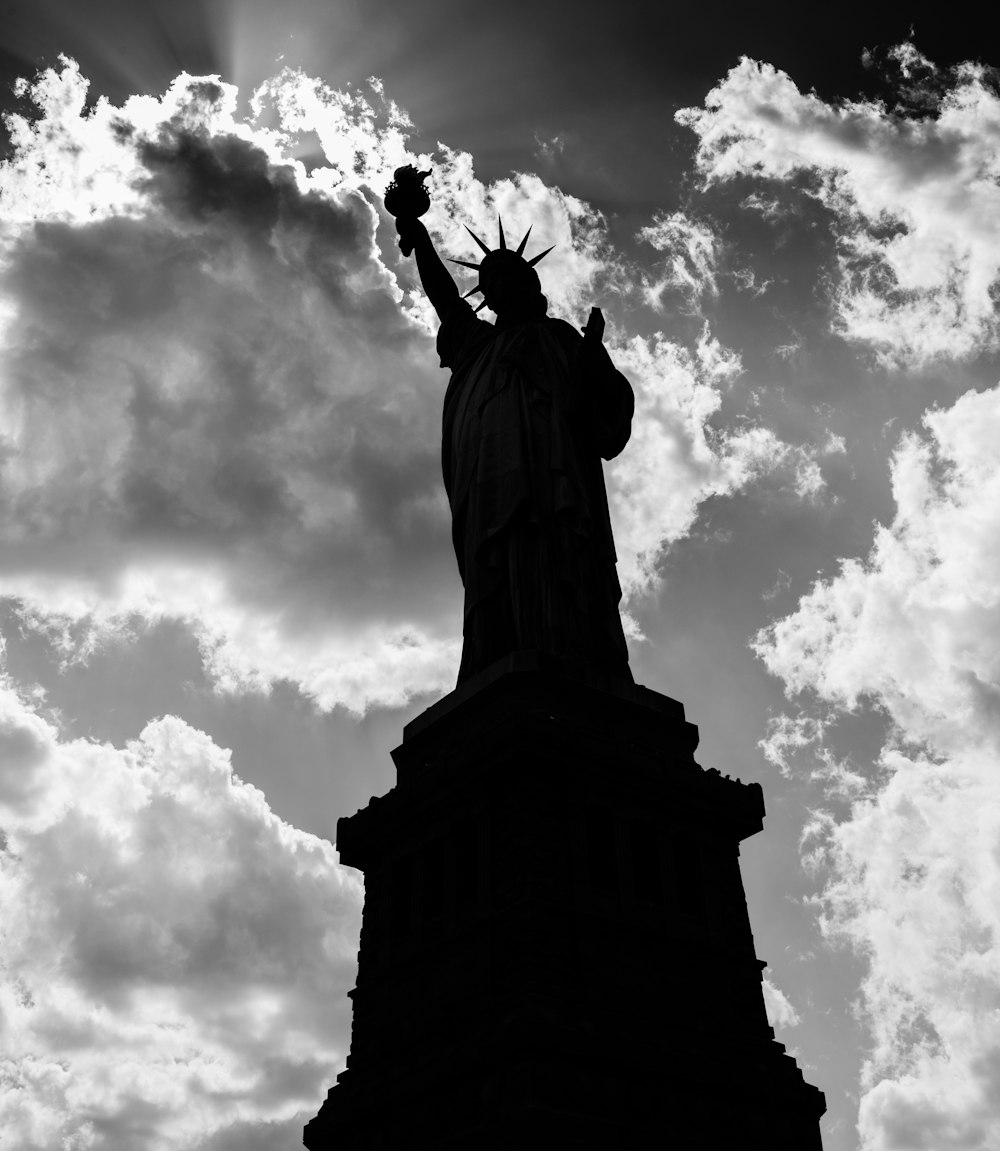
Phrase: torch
(406,197)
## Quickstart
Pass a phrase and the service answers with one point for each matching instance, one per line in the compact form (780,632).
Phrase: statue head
(508,282)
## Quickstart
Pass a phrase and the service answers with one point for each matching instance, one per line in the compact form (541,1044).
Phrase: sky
(226,579)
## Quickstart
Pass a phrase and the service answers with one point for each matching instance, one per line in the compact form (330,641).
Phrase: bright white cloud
(691,251)
(917,625)
(915,868)
(176,958)
(916,200)
(676,459)
(221,406)
(780,1012)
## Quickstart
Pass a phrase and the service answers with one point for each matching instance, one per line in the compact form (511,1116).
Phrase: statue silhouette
(544,808)
(531,408)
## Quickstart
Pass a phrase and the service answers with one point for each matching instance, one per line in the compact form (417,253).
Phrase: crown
(509,254)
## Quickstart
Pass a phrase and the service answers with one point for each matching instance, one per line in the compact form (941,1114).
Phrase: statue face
(507,284)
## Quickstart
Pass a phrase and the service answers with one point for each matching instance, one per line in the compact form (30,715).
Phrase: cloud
(916,626)
(913,197)
(176,958)
(364,148)
(676,459)
(695,260)
(691,250)
(914,872)
(780,1012)
(221,399)
(218,412)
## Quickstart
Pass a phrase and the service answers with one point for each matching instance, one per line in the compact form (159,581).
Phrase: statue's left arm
(609,400)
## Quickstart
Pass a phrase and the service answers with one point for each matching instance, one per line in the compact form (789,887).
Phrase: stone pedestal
(556,950)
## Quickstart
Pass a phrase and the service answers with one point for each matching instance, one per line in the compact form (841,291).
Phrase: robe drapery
(530,410)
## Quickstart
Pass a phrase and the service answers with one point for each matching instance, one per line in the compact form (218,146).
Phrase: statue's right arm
(437,281)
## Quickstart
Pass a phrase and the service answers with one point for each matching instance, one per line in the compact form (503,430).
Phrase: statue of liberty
(531,408)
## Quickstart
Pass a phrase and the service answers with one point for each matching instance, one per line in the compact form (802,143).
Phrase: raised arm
(437,281)
(610,402)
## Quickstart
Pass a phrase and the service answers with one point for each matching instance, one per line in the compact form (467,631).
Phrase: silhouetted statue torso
(531,408)
(528,414)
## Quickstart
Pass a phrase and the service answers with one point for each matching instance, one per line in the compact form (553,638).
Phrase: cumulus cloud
(914,873)
(364,148)
(913,193)
(176,958)
(676,459)
(216,411)
(916,625)
(220,397)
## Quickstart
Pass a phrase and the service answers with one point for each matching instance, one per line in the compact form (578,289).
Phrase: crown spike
(534,260)
(464,263)
(520,247)
(472,292)
(480,308)
(503,238)
(477,239)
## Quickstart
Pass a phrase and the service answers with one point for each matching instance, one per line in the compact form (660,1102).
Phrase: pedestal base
(556,949)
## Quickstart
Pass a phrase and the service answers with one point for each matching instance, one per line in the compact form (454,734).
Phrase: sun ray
(477,239)
(520,247)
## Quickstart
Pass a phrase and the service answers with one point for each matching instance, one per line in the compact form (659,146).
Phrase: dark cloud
(222,377)
(259,1135)
(227,183)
